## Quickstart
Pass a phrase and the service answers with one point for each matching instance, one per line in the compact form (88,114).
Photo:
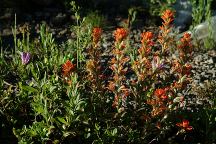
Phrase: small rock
(6,32)
(203,74)
(59,18)
(210,61)
(62,32)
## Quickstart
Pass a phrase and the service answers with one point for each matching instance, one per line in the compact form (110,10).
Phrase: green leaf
(29,89)
(39,109)
(62,120)
(66,134)
(114,132)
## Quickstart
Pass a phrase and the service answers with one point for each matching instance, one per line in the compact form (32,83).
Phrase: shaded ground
(59,17)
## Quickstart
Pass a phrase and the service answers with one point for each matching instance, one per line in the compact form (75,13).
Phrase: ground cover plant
(77,93)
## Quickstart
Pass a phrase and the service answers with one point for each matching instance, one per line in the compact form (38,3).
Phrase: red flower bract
(159,92)
(187,36)
(168,16)
(120,34)
(147,35)
(67,67)
(185,125)
(96,34)
(147,38)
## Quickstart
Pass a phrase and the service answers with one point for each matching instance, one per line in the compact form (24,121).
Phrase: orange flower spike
(115,102)
(120,34)
(67,67)
(96,34)
(147,38)
(168,16)
(187,36)
(186,40)
(164,97)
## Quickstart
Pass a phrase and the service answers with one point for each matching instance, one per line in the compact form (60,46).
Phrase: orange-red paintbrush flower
(185,125)
(96,34)
(67,67)
(120,34)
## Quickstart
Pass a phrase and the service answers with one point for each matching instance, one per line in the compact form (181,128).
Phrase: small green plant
(210,42)
(95,19)
(198,11)
(83,35)
(201,11)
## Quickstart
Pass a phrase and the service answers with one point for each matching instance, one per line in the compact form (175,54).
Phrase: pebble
(59,18)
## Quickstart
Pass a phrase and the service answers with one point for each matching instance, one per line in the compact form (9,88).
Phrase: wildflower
(25,56)
(185,125)
(157,63)
(187,69)
(120,34)
(164,38)
(111,86)
(159,92)
(118,62)
(168,17)
(147,38)
(96,34)
(164,97)
(115,102)
(176,66)
(187,36)
(67,67)
(186,41)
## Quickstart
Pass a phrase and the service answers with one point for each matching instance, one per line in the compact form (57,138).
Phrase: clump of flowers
(180,67)
(146,89)
(96,35)
(93,65)
(67,69)
(164,38)
(159,78)
(184,125)
(142,65)
(185,47)
(120,34)
(117,84)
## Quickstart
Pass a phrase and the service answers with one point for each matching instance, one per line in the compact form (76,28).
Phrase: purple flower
(25,56)
(157,63)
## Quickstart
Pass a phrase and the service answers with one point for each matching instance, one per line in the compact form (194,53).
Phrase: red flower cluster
(117,82)
(185,125)
(168,17)
(161,93)
(120,34)
(96,34)
(143,63)
(185,46)
(186,41)
(147,38)
(164,38)
(67,67)
(187,69)
(181,69)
